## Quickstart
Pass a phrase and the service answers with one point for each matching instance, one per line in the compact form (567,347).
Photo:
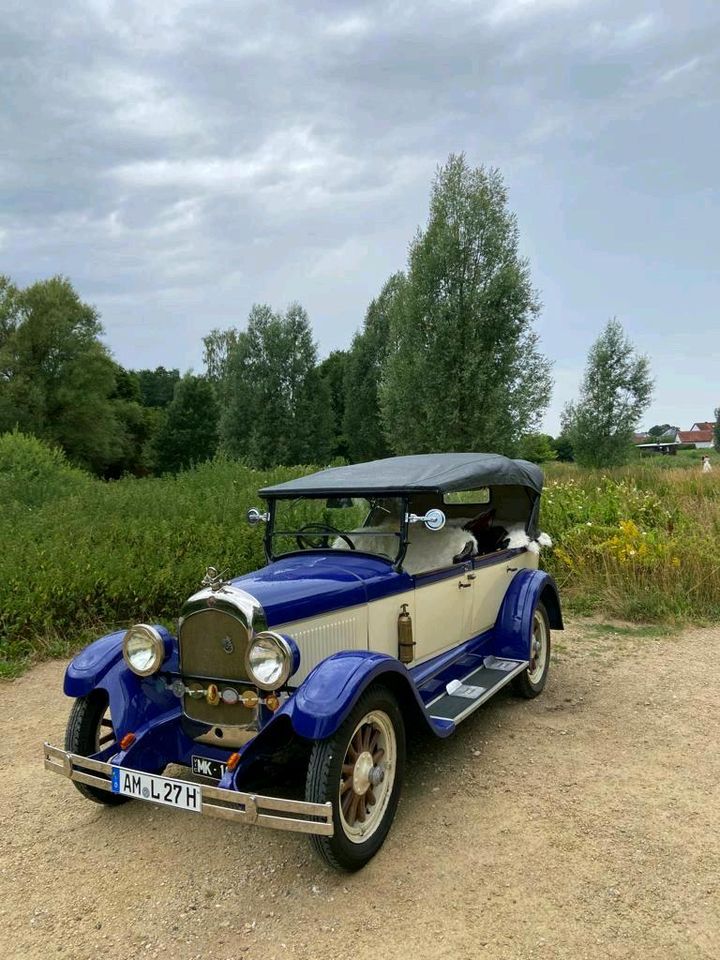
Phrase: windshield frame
(271,532)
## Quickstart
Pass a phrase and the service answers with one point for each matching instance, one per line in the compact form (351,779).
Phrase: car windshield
(365,524)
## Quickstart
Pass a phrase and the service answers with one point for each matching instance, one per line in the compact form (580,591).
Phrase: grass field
(638,543)
(80,556)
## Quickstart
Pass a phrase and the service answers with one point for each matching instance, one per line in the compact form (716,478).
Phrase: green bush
(101,554)
(638,542)
(80,556)
(33,473)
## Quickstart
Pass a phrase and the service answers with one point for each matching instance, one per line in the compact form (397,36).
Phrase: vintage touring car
(398,596)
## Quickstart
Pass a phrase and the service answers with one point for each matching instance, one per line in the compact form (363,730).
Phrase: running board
(463,697)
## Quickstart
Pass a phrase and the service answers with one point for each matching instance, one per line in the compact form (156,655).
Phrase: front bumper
(277,812)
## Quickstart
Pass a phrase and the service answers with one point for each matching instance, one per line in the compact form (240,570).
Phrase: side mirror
(434,519)
(254,516)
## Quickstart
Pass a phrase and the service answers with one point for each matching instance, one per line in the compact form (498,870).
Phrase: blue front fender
(134,701)
(513,627)
(333,688)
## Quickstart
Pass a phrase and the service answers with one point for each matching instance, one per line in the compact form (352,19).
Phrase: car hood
(309,584)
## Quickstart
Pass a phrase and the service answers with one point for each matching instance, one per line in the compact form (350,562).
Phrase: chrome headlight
(270,660)
(143,649)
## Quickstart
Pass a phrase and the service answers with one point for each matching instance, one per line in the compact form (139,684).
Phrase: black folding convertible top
(420,473)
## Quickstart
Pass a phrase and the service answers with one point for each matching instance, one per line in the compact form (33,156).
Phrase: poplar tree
(615,392)
(463,370)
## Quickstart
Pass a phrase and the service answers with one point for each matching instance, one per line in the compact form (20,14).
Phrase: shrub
(81,556)
(103,554)
(33,472)
(637,543)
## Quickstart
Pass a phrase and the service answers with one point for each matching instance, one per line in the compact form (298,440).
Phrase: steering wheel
(321,540)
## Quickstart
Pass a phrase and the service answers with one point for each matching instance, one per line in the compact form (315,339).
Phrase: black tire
(325,780)
(85,730)
(524,685)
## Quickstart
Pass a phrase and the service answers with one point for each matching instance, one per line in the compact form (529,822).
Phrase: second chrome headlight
(270,660)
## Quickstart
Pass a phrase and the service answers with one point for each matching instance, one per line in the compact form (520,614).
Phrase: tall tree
(615,392)
(464,370)
(57,379)
(333,370)
(563,448)
(188,434)
(157,386)
(218,346)
(716,430)
(276,408)
(137,426)
(662,430)
(362,422)
(537,448)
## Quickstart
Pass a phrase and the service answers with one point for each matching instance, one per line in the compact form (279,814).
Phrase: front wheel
(90,730)
(531,682)
(359,770)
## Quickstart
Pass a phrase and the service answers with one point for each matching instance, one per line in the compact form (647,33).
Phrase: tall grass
(79,556)
(642,542)
(98,555)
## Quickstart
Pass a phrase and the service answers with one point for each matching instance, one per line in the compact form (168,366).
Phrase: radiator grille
(213,644)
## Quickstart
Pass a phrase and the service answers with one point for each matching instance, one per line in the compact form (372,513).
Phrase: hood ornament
(212,579)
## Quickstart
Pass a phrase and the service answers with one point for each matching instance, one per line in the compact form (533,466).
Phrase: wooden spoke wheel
(368,772)
(359,770)
(532,681)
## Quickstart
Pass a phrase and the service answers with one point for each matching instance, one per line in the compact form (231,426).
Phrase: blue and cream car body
(345,641)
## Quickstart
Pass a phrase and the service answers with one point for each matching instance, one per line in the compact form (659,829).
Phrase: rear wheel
(359,771)
(532,681)
(89,730)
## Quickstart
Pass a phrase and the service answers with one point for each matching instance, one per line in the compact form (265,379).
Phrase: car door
(443,609)
(490,577)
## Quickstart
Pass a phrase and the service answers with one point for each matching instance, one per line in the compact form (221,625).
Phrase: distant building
(701,436)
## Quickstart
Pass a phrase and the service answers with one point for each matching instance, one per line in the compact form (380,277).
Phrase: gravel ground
(580,824)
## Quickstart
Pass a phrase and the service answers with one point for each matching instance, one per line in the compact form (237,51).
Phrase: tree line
(447,358)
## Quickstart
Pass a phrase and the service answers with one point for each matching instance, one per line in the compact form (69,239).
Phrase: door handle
(464,586)
(511,569)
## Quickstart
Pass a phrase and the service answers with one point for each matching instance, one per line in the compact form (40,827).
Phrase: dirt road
(585,823)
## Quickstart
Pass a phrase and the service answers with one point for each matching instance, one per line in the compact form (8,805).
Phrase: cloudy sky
(182,159)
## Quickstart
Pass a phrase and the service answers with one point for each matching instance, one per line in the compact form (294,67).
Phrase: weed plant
(80,557)
(640,543)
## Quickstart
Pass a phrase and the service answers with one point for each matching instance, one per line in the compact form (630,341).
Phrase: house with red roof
(700,434)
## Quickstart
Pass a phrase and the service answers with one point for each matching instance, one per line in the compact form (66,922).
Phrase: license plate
(208,768)
(146,786)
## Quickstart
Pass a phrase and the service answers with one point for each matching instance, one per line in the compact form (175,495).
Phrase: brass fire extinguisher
(405,636)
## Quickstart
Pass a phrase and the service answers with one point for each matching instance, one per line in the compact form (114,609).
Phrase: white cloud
(353,26)
(624,36)
(161,26)
(286,154)
(680,71)
(137,103)
(509,11)
(547,124)
(293,166)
